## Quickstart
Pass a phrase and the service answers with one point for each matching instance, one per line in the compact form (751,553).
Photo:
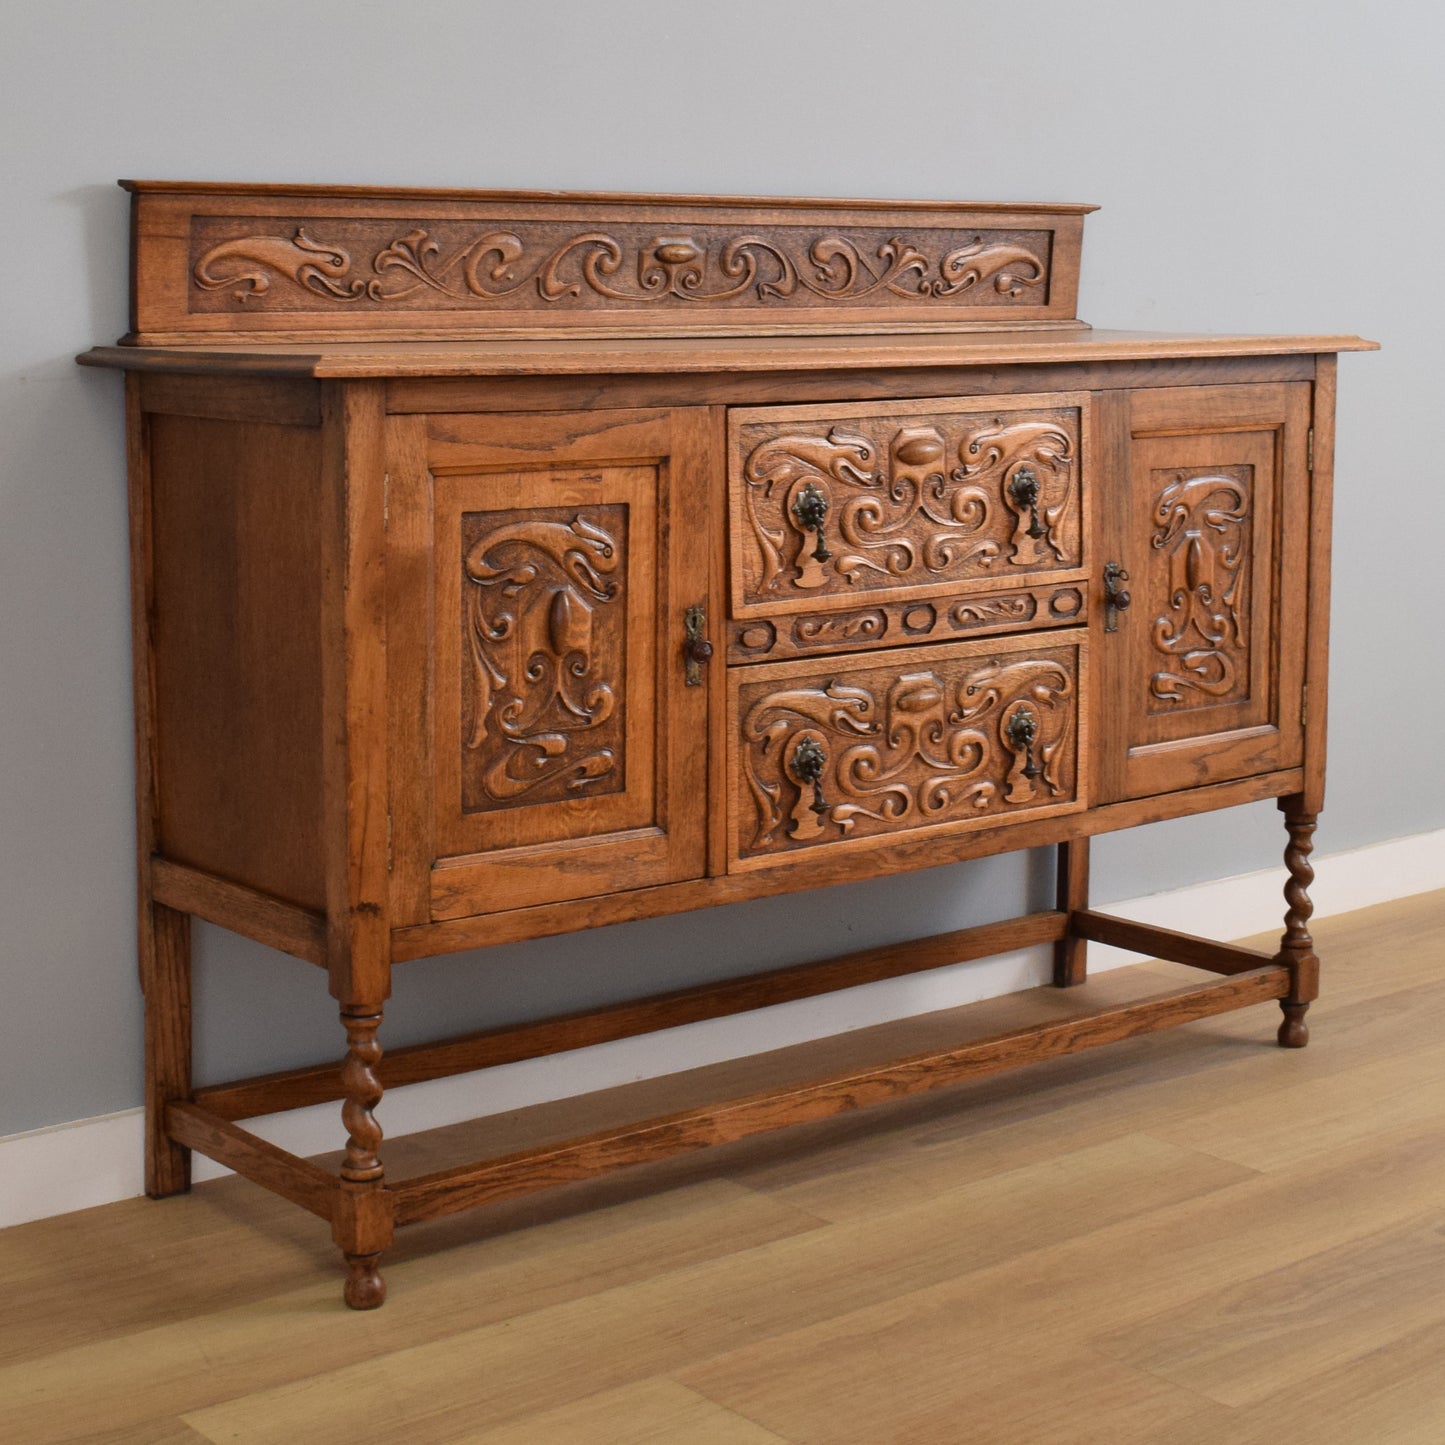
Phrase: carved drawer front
(856,752)
(854,506)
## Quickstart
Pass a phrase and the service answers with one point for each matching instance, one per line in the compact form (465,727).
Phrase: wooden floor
(1192,1237)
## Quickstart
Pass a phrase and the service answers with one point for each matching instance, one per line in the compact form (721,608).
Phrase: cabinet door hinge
(1310,450)
(386,500)
(1304,706)
(388,843)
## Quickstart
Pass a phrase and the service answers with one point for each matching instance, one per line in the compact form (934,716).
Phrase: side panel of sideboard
(233,609)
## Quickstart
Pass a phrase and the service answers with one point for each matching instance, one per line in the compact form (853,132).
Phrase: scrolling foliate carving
(543,613)
(1200,550)
(446,265)
(889,752)
(891,622)
(834,629)
(942,498)
(984,611)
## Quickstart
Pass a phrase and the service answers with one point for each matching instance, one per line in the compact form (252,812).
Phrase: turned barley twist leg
(1297,948)
(363,1094)
(363,1223)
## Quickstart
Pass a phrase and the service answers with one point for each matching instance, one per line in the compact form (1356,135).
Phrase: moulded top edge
(463,358)
(616,198)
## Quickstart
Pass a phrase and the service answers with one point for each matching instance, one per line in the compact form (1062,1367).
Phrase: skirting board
(97,1161)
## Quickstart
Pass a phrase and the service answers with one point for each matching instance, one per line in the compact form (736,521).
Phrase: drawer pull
(696,649)
(809,759)
(1024,490)
(810,507)
(1116,597)
(1022,730)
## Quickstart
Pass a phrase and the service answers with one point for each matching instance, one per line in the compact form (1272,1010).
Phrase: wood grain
(235,1318)
(352,674)
(1317,659)
(588,356)
(166,983)
(408,395)
(831,867)
(1071,887)
(652,1412)
(911,743)
(622,804)
(470,1185)
(163,938)
(1156,942)
(1204,673)
(298,1180)
(296,1088)
(331,261)
(297,931)
(238,398)
(431,559)
(237,651)
(903,1269)
(916,496)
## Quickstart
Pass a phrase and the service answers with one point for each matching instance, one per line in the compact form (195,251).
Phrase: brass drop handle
(696,649)
(810,507)
(1116,597)
(1023,488)
(808,761)
(1021,730)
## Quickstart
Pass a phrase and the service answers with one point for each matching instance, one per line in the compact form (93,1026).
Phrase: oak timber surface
(1246,1244)
(581,355)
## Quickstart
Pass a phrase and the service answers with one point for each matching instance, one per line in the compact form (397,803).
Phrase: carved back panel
(1203,674)
(337,262)
(852,506)
(853,752)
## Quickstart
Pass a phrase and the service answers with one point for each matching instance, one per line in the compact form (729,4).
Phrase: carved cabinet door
(1206,515)
(550,742)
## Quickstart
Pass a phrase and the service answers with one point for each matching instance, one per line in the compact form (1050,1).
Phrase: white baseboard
(97,1161)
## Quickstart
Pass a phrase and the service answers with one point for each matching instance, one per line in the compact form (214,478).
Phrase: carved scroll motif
(1202,525)
(986,610)
(887,623)
(903,751)
(538,266)
(543,612)
(928,502)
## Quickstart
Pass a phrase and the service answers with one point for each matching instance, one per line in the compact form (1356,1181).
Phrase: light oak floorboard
(215,1354)
(1192,1236)
(1241,1344)
(661,1324)
(650,1412)
(163,1431)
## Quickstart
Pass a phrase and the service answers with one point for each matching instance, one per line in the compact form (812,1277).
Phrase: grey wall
(1263,166)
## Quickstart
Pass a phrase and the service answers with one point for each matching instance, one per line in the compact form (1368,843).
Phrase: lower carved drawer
(856,752)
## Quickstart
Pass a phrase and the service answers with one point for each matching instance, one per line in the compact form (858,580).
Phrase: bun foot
(365,1289)
(1294,1032)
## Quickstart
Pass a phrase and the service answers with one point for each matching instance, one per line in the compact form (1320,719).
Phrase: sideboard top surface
(584,356)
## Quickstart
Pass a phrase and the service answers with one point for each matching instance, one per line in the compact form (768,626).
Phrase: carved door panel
(867,509)
(859,752)
(563,738)
(1203,673)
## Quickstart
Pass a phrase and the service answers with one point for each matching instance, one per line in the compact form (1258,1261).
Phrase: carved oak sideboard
(508,564)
